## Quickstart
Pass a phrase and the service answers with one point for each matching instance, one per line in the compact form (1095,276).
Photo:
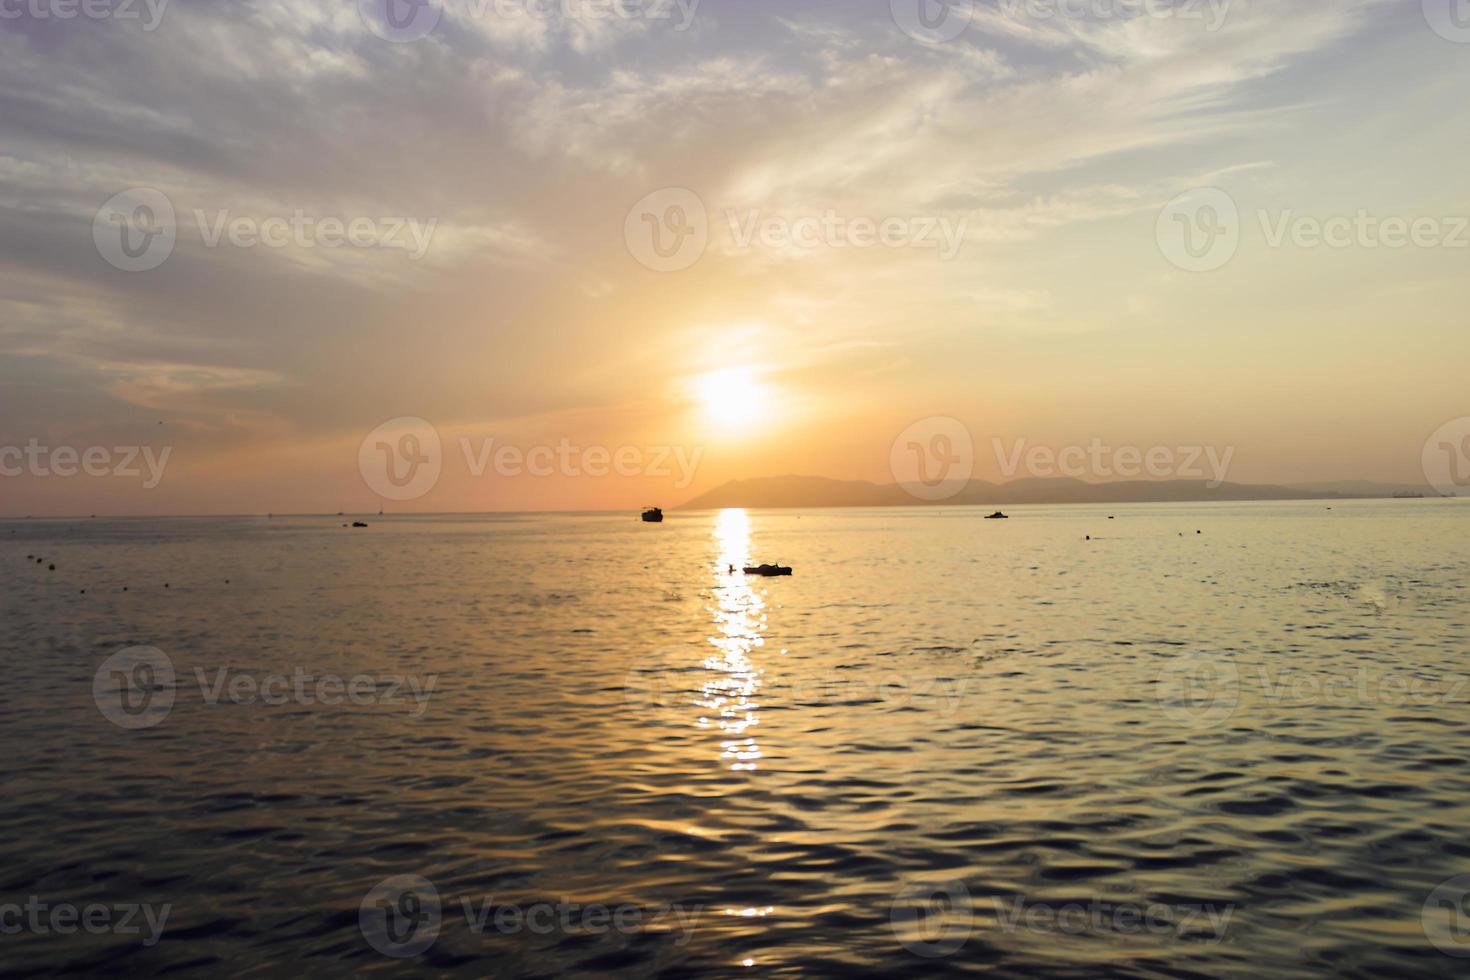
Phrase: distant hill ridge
(816,491)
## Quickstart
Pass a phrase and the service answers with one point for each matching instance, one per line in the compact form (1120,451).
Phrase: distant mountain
(816,491)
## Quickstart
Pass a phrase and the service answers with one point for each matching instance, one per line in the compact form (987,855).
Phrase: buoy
(53,568)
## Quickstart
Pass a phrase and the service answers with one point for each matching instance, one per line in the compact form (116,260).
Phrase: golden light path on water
(728,694)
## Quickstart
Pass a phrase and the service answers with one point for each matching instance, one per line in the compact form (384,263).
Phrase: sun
(735,400)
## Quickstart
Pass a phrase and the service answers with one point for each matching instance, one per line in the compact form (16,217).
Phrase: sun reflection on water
(729,693)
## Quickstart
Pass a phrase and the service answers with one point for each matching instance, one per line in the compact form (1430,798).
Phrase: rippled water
(945,745)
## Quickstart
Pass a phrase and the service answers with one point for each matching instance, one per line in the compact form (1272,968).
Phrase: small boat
(768,571)
(653,515)
(998,516)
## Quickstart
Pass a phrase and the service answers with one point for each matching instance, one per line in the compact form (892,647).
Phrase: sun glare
(734,399)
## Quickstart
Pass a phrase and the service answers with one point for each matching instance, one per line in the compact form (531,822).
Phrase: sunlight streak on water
(729,694)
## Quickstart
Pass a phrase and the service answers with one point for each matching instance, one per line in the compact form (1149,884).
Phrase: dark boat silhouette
(653,515)
(768,571)
(998,516)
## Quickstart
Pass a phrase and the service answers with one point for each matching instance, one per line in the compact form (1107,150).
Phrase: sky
(289,256)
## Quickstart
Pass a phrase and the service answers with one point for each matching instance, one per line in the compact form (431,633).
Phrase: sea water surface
(1223,740)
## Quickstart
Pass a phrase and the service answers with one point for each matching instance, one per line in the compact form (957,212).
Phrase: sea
(1222,740)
